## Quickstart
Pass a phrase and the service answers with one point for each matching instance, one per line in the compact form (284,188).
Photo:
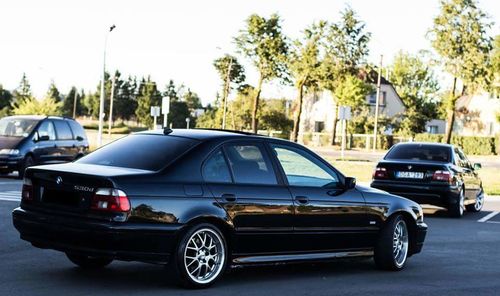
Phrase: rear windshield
(420,152)
(145,152)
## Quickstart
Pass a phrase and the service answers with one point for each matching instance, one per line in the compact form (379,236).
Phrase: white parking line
(10,196)
(488,217)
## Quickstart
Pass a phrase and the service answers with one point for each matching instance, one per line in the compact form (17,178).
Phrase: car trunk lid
(408,171)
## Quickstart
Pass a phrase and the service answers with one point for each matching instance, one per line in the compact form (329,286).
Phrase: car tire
(28,161)
(89,262)
(478,205)
(190,265)
(392,248)
(457,209)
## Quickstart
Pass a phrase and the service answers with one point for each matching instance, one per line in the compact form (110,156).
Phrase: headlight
(9,152)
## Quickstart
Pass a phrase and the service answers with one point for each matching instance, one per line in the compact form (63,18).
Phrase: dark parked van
(30,140)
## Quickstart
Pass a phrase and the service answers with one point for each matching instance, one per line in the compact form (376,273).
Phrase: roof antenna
(167,130)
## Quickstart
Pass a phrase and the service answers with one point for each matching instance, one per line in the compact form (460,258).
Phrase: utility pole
(110,122)
(101,99)
(74,103)
(377,103)
(226,92)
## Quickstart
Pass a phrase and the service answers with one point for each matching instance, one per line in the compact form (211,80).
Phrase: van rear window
(140,151)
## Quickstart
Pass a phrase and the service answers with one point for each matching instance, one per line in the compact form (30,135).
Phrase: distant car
(435,174)
(30,140)
(203,200)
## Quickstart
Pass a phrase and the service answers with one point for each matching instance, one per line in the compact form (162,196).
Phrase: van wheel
(201,257)
(28,161)
(392,246)
(89,262)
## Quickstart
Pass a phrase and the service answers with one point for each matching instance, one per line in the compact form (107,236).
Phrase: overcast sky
(64,40)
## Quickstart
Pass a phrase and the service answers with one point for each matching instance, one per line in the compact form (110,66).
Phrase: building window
(432,129)
(372,99)
(319,126)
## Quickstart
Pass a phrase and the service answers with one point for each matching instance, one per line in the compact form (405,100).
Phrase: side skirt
(266,259)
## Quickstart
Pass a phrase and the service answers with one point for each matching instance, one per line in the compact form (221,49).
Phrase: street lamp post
(377,102)
(101,100)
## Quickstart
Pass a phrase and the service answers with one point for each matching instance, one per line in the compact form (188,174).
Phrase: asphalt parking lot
(460,257)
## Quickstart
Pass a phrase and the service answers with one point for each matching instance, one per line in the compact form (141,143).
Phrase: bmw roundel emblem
(59,180)
(410,167)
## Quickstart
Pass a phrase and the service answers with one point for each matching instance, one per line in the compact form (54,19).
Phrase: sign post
(155,112)
(165,108)
(344,116)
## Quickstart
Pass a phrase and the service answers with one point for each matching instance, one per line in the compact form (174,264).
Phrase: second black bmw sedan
(203,200)
(431,173)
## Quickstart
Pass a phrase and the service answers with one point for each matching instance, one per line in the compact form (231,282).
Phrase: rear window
(145,152)
(420,152)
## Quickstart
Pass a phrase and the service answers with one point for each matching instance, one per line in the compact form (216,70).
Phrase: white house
(477,115)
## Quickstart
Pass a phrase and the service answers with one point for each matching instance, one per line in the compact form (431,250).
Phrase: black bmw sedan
(205,200)
(431,173)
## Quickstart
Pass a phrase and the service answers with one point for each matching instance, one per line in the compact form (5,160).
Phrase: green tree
(47,106)
(148,95)
(23,91)
(230,72)
(192,100)
(417,86)
(68,103)
(352,91)
(274,116)
(53,92)
(208,118)
(459,37)
(5,101)
(125,102)
(495,67)
(263,42)
(346,50)
(304,63)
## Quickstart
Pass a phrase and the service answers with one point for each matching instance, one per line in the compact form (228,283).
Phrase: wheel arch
(412,227)
(224,226)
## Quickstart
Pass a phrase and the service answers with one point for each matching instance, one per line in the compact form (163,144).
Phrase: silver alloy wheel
(461,203)
(479,201)
(204,256)
(400,243)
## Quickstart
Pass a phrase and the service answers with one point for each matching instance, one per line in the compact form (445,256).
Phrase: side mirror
(79,138)
(349,182)
(43,138)
(477,166)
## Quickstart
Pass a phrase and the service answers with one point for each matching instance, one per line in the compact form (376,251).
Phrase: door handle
(302,199)
(229,197)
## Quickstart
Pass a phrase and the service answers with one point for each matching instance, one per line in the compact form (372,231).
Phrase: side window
(77,129)
(249,165)
(47,129)
(464,162)
(303,169)
(216,170)
(63,130)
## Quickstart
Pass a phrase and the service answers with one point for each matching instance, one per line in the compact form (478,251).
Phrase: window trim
(339,175)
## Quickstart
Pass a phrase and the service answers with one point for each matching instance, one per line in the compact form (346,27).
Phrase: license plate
(410,175)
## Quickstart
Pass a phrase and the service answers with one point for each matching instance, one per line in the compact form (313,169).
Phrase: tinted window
(303,169)
(461,159)
(216,169)
(419,152)
(77,129)
(47,129)
(16,127)
(147,152)
(249,165)
(63,130)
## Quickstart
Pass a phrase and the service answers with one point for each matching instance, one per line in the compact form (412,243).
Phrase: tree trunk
(335,120)
(296,123)
(256,106)
(450,120)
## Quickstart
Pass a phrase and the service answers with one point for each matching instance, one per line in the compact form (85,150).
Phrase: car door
(44,148)
(65,145)
(259,205)
(470,176)
(327,216)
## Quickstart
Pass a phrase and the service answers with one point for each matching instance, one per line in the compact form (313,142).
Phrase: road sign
(165,105)
(345,113)
(155,111)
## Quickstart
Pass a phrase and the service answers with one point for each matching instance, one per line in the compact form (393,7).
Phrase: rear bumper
(433,194)
(121,241)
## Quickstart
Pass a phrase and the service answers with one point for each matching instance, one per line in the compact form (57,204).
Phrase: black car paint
(427,191)
(262,223)
(41,151)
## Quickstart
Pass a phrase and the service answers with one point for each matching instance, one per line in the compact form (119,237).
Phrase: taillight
(443,176)
(380,173)
(27,193)
(111,200)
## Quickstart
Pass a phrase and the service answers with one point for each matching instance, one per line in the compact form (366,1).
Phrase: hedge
(471,145)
